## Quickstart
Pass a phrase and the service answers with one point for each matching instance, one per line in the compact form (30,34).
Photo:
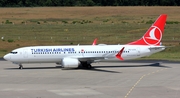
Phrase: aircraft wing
(93,58)
(90,58)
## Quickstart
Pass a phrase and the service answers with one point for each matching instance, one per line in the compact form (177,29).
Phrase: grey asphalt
(133,79)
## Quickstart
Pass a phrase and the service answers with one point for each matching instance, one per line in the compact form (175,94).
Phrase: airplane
(83,55)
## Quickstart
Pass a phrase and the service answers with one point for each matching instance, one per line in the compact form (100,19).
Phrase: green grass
(108,30)
(60,33)
(165,55)
(106,33)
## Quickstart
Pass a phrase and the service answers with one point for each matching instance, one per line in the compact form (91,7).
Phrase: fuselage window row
(80,52)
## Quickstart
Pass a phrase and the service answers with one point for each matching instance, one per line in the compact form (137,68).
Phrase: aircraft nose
(7,57)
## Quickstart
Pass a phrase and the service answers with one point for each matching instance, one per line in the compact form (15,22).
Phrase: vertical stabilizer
(154,34)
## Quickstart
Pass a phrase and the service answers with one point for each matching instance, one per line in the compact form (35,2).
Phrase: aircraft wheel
(20,66)
(88,66)
(85,65)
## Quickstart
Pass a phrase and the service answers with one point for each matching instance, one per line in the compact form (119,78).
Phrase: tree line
(37,3)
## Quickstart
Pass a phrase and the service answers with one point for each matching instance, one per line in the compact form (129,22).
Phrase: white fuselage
(54,54)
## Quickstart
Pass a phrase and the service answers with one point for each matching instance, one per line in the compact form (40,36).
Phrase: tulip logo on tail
(153,37)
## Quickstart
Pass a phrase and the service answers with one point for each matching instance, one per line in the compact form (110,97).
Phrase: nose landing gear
(20,66)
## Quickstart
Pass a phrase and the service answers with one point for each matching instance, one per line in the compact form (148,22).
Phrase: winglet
(119,54)
(94,42)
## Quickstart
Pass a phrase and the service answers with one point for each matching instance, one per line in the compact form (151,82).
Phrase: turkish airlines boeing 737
(84,55)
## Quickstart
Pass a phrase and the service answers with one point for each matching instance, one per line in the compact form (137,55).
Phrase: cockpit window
(13,52)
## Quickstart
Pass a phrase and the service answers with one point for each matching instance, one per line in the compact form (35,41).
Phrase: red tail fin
(154,34)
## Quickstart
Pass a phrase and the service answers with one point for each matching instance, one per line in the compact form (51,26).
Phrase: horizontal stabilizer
(157,47)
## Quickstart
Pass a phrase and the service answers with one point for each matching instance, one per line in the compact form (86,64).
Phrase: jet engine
(70,63)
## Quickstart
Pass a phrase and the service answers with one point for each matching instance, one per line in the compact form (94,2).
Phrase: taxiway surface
(105,80)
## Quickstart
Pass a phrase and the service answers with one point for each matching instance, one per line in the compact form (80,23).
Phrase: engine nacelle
(70,63)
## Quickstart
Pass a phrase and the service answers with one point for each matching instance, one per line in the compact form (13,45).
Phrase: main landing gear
(86,65)
(20,66)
